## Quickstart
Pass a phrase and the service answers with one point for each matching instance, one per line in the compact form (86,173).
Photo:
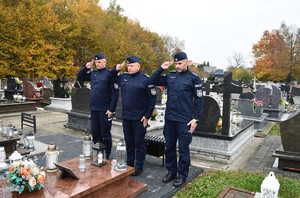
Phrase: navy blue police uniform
(103,97)
(138,100)
(184,103)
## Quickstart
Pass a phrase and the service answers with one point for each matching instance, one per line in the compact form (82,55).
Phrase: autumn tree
(29,44)
(277,54)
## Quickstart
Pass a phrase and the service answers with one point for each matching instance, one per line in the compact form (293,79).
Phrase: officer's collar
(101,69)
(183,72)
(135,73)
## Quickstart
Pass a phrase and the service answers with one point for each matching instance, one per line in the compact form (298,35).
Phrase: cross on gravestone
(206,87)
(227,88)
(254,84)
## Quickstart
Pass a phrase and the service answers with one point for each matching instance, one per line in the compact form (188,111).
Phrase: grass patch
(211,183)
(275,131)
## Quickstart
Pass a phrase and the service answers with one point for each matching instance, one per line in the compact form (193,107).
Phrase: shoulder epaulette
(194,74)
(145,74)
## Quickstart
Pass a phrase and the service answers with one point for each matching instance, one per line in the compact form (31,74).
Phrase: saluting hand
(89,64)
(167,64)
(120,66)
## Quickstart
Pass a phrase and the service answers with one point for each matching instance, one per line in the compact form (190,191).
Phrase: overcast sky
(213,30)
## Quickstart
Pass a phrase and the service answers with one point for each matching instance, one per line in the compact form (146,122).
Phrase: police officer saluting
(103,100)
(138,101)
(183,110)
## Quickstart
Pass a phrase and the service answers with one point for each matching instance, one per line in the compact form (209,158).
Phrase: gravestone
(263,94)
(271,100)
(47,83)
(289,156)
(247,108)
(81,100)
(79,84)
(275,97)
(247,95)
(286,89)
(227,88)
(48,92)
(209,117)
(12,88)
(294,92)
(59,88)
(28,89)
(79,116)
(158,95)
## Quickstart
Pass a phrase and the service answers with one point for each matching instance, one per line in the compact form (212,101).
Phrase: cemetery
(50,126)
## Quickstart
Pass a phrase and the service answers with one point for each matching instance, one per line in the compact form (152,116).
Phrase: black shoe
(168,178)
(136,172)
(178,182)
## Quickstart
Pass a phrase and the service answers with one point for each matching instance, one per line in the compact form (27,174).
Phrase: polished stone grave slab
(9,107)
(94,182)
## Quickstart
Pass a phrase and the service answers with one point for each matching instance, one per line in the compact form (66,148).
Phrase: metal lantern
(87,147)
(29,141)
(269,187)
(98,158)
(121,156)
(15,158)
(51,157)
(21,141)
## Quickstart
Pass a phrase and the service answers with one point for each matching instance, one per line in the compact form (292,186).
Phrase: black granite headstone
(81,100)
(59,88)
(294,92)
(248,95)
(119,107)
(209,117)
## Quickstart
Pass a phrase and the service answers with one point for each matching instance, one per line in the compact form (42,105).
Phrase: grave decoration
(98,157)
(25,175)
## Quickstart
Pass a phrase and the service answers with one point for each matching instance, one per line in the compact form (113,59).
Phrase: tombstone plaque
(28,89)
(263,94)
(59,88)
(81,100)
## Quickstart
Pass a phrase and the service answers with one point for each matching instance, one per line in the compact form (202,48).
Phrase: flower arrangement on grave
(257,102)
(68,90)
(25,175)
(219,125)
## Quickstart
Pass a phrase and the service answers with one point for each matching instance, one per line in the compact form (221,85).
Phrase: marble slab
(94,182)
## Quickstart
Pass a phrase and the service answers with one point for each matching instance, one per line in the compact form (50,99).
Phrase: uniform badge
(199,93)
(153,91)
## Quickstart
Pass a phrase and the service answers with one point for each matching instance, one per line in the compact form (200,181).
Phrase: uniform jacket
(184,94)
(138,96)
(103,96)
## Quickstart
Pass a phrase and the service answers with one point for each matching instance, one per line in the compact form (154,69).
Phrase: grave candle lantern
(87,146)
(270,186)
(51,158)
(98,158)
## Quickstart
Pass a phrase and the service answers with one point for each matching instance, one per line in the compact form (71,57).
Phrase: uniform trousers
(174,131)
(134,133)
(101,127)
